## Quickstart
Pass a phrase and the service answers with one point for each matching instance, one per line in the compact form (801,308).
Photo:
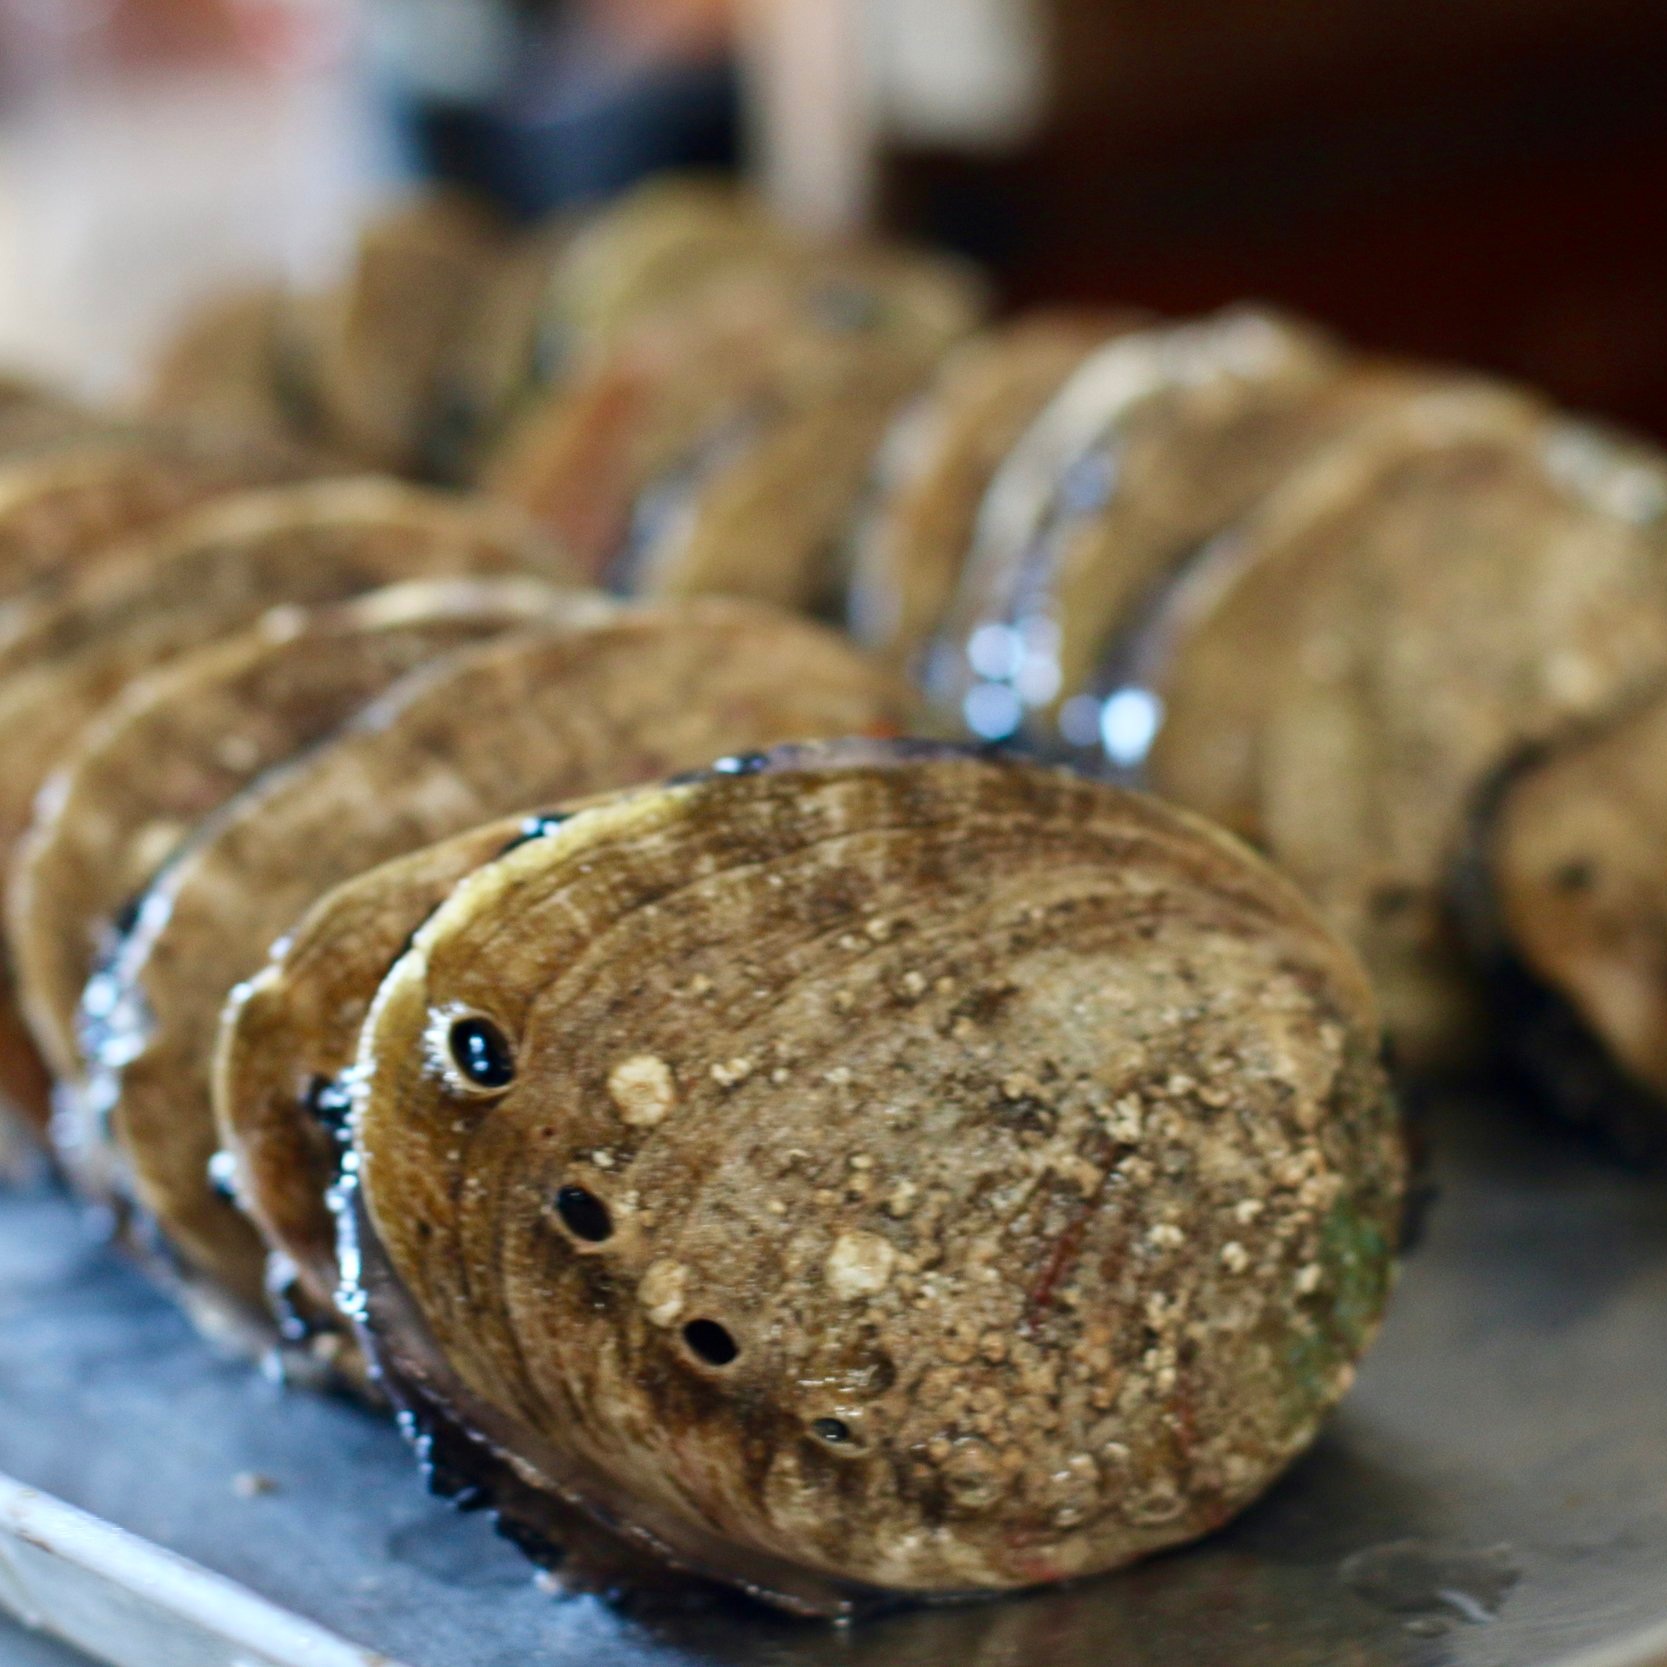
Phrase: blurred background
(1481,180)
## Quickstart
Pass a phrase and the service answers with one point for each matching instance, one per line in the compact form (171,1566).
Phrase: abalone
(1563,896)
(65,654)
(179,742)
(858,1173)
(481,734)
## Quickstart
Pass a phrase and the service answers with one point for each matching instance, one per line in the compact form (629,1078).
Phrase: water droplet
(1129,723)
(995,652)
(1038,679)
(329,1101)
(992,711)
(222,1176)
(1079,721)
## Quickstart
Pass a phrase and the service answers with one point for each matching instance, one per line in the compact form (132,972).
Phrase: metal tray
(1494,1494)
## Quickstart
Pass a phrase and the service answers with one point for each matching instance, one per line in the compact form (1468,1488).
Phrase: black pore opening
(584,1215)
(710,1342)
(482,1053)
(835,1431)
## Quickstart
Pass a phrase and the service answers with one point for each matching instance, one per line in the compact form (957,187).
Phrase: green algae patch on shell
(490,731)
(859,1174)
(181,741)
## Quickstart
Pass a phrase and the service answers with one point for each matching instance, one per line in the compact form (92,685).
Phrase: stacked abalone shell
(489,936)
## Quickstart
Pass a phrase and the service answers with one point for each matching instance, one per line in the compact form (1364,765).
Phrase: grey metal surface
(1505,1452)
(19,1648)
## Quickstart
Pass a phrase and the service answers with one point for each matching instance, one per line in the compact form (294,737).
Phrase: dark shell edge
(1541,1036)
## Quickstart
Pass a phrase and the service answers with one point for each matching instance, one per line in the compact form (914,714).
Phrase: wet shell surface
(579,457)
(64,503)
(762,507)
(289,1035)
(1391,635)
(1564,895)
(493,730)
(715,447)
(766,520)
(178,743)
(1158,439)
(873,1172)
(935,466)
(217,569)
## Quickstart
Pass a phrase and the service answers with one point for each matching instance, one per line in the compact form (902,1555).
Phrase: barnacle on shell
(865,1171)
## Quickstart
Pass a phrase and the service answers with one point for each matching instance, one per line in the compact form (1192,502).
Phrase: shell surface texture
(508,726)
(871,1171)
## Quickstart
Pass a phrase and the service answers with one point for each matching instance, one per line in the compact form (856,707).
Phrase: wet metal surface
(29,1649)
(1493,1495)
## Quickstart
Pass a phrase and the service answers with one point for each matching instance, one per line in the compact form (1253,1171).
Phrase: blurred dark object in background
(546,103)
(1481,181)
(1474,180)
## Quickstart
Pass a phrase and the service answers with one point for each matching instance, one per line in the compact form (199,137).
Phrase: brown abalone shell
(64,655)
(867,1173)
(1470,579)
(488,731)
(1563,894)
(179,742)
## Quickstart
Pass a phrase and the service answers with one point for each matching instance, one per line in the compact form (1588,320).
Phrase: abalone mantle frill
(895,1172)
